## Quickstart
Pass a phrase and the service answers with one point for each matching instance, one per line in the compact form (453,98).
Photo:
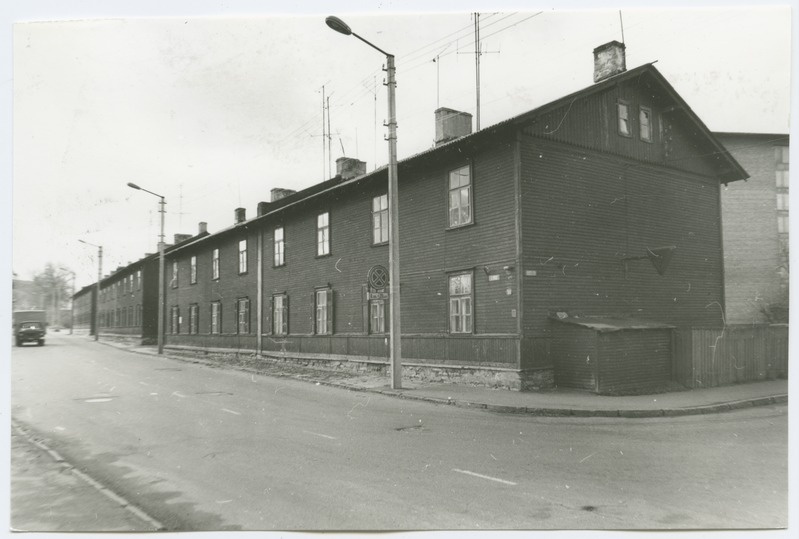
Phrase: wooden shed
(611,355)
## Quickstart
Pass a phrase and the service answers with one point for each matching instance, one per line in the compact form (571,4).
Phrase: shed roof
(607,324)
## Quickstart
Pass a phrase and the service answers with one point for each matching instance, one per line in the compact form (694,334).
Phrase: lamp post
(395,332)
(97,291)
(72,300)
(162,210)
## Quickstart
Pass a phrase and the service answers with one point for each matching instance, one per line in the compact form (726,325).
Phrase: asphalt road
(201,448)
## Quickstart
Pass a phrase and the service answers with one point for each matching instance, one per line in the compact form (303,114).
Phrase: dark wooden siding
(429,252)
(227,290)
(591,122)
(634,360)
(575,356)
(583,212)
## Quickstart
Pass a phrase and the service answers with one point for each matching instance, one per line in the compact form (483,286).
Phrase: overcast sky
(215,107)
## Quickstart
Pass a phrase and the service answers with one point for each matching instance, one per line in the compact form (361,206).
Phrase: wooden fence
(734,354)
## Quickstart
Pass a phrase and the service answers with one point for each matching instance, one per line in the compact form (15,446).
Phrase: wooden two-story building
(600,209)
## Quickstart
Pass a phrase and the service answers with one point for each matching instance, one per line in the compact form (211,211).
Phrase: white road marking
(60,428)
(101,399)
(467,472)
(230,411)
(317,434)
(177,394)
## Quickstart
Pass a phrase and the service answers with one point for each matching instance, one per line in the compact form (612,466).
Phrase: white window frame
(215,264)
(645,123)
(194,319)
(460,202)
(279,247)
(193,270)
(323,234)
(174,282)
(280,312)
(323,313)
(377,316)
(243,256)
(461,303)
(380,220)
(623,124)
(216,318)
(243,316)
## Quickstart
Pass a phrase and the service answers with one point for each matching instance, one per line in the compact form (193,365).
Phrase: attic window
(624,119)
(645,123)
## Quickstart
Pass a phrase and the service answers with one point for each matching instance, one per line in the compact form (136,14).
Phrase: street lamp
(72,300)
(162,210)
(97,291)
(395,332)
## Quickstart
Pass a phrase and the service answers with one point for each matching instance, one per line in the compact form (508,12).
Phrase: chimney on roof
(348,167)
(181,237)
(609,60)
(278,193)
(262,208)
(203,228)
(452,124)
(241,215)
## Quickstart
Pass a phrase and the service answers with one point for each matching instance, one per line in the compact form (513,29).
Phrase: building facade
(605,203)
(755,215)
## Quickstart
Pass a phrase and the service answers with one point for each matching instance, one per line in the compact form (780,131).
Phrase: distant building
(755,216)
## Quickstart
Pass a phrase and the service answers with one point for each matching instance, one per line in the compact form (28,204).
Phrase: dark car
(30,332)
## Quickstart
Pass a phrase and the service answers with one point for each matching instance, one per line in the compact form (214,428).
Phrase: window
(645,124)
(194,318)
(243,256)
(782,223)
(460,303)
(460,197)
(323,234)
(193,270)
(216,317)
(175,320)
(138,279)
(280,247)
(243,315)
(782,201)
(377,316)
(138,314)
(280,314)
(782,179)
(324,311)
(174,281)
(380,219)
(215,264)
(624,119)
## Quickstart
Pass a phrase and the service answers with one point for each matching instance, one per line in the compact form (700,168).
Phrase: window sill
(324,256)
(459,227)
(381,244)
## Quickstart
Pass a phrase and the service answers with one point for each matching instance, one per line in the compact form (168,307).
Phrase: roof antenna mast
(621,22)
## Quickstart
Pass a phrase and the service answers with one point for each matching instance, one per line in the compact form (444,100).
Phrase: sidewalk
(558,402)
(50,495)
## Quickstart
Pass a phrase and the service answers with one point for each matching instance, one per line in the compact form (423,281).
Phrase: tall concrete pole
(161,291)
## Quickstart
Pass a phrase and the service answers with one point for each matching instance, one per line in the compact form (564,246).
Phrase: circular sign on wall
(378,277)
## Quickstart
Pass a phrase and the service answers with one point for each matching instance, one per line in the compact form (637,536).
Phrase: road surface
(201,448)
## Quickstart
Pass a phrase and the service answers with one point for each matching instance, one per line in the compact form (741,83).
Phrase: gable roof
(729,169)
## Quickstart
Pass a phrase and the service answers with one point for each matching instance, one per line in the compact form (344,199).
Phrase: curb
(508,409)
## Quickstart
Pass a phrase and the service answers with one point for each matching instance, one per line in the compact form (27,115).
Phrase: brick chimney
(277,193)
(347,167)
(241,215)
(263,207)
(203,228)
(609,60)
(452,124)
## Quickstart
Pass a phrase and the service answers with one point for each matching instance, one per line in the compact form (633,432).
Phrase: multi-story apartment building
(755,216)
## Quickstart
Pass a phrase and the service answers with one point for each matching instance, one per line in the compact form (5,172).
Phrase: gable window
(324,311)
(645,123)
(174,281)
(175,320)
(323,234)
(280,247)
(243,315)
(460,303)
(623,114)
(243,256)
(380,219)
(194,318)
(215,264)
(193,272)
(216,317)
(460,197)
(280,314)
